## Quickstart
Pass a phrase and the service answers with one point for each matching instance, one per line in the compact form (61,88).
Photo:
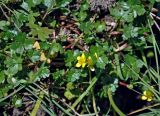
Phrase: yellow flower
(48,61)
(147,95)
(90,63)
(36,45)
(81,61)
(43,57)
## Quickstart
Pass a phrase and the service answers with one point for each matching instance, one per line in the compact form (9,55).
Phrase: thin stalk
(142,109)
(57,104)
(113,104)
(144,82)
(93,96)
(155,51)
(48,110)
(37,104)
(93,81)
(20,88)
(8,17)
(146,65)
(118,67)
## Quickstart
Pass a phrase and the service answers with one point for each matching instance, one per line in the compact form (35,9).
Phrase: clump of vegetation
(83,57)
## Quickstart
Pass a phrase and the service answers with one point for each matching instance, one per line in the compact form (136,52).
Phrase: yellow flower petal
(147,95)
(144,92)
(48,61)
(144,97)
(149,99)
(43,57)
(81,61)
(78,65)
(83,65)
(36,45)
(83,56)
(90,63)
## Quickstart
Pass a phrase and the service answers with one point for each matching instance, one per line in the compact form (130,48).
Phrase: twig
(157,17)
(17,90)
(125,45)
(154,10)
(155,23)
(8,17)
(142,109)
(4,13)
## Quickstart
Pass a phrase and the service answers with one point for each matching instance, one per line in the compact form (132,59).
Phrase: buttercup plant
(81,61)
(147,95)
(77,59)
(36,45)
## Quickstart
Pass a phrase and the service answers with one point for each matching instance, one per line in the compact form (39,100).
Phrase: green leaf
(69,95)
(139,9)
(21,43)
(49,3)
(131,65)
(73,75)
(25,6)
(42,32)
(130,32)
(28,44)
(3,23)
(45,45)
(31,18)
(82,15)
(2,77)
(84,6)
(63,3)
(17,102)
(139,63)
(30,3)
(116,13)
(101,27)
(70,57)
(55,47)
(42,72)
(101,62)
(53,23)
(86,27)
(34,55)
(128,17)
(36,2)
(58,74)
(13,64)
(70,86)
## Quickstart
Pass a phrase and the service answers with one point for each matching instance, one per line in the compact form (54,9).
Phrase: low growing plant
(68,58)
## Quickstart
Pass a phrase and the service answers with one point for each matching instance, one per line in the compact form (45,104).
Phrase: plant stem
(155,51)
(17,90)
(93,81)
(93,96)
(118,67)
(38,104)
(142,109)
(113,104)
